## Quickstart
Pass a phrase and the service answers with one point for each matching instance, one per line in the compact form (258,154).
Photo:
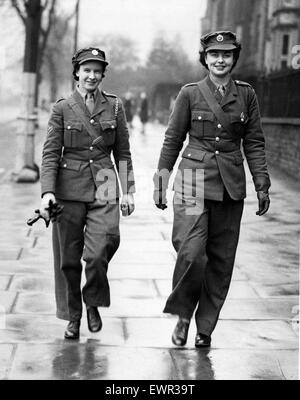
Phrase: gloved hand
(45,204)
(161,180)
(127,204)
(263,202)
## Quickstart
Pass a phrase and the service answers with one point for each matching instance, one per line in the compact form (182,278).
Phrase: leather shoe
(202,340)
(179,336)
(72,331)
(93,319)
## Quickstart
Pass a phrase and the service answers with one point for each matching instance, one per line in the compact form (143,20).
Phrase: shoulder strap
(97,140)
(215,106)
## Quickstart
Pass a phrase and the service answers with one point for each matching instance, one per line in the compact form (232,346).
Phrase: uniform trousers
(206,244)
(88,231)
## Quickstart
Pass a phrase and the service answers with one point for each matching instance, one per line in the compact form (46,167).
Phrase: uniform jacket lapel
(100,103)
(76,98)
(230,95)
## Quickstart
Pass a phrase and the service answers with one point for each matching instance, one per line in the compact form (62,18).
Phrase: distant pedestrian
(78,173)
(128,107)
(144,111)
(219,114)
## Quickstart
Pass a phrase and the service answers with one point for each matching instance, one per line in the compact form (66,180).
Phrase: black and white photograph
(149,182)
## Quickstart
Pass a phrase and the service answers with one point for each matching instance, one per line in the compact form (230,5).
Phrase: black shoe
(93,319)
(180,333)
(72,331)
(202,340)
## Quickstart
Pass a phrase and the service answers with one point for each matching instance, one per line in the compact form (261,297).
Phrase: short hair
(76,67)
(236,55)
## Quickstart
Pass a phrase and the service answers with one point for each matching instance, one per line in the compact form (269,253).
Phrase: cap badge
(220,38)
(94,52)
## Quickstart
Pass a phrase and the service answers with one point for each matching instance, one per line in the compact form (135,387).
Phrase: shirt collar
(216,85)
(83,93)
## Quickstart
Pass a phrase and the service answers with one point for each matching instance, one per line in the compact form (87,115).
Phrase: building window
(285,45)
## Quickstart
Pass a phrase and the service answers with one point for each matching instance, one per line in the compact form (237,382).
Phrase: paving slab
(134,271)
(227,365)
(157,332)
(7,300)
(238,289)
(4,281)
(269,308)
(66,361)
(6,357)
(32,283)
(132,288)
(21,328)
(135,256)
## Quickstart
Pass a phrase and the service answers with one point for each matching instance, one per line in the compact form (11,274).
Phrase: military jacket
(213,150)
(72,167)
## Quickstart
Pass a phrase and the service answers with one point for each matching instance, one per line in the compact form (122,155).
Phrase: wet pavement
(256,337)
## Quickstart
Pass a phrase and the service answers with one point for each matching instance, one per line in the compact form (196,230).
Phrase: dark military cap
(220,40)
(89,54)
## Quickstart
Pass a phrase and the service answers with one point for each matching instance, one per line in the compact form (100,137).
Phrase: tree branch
(16,6)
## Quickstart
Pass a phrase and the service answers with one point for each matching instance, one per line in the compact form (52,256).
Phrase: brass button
(189,155)
(199,117)
(112,127)
(219,126)
(91,148)
(91,161)
(92,121)
(68,127)
(217,139)
(65,165)
(217,152)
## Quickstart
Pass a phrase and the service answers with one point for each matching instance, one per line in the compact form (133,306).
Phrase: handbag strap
(215,106)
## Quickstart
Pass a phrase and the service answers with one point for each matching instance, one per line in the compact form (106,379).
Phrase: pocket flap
(238,159)
(241,119)
(193,154)
(70,164)
(108,124)
(198,115)
(70,125)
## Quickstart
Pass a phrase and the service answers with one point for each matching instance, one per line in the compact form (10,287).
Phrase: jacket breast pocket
(72,132)
(108,128)
(202,122)
(238,123)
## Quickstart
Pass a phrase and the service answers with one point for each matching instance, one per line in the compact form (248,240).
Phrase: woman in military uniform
(78,173)
(219,114)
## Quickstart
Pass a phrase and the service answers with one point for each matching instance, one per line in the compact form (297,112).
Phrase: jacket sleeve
(121,153)
(52,149)
(178,126)
(254,145)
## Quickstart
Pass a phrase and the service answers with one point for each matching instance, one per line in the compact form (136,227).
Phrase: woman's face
(90,75)
(219,62)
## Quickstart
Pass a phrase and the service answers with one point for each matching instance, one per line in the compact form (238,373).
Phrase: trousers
(88,232)
(206,244)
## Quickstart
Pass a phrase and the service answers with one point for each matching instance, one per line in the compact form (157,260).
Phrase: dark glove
(263,203)
(161,181)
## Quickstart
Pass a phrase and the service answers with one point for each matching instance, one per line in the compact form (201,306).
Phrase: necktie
(89,102)
(221,89)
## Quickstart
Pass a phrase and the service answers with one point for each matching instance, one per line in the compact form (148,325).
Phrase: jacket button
(199,117)
(217,139)
(91,161)
(68,127)
(112,127)
(92,121)
(91,148)
(65,165)
(189,155)
(217,152)
(219,126)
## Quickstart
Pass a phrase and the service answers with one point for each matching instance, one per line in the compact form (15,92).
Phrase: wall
(283,144)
